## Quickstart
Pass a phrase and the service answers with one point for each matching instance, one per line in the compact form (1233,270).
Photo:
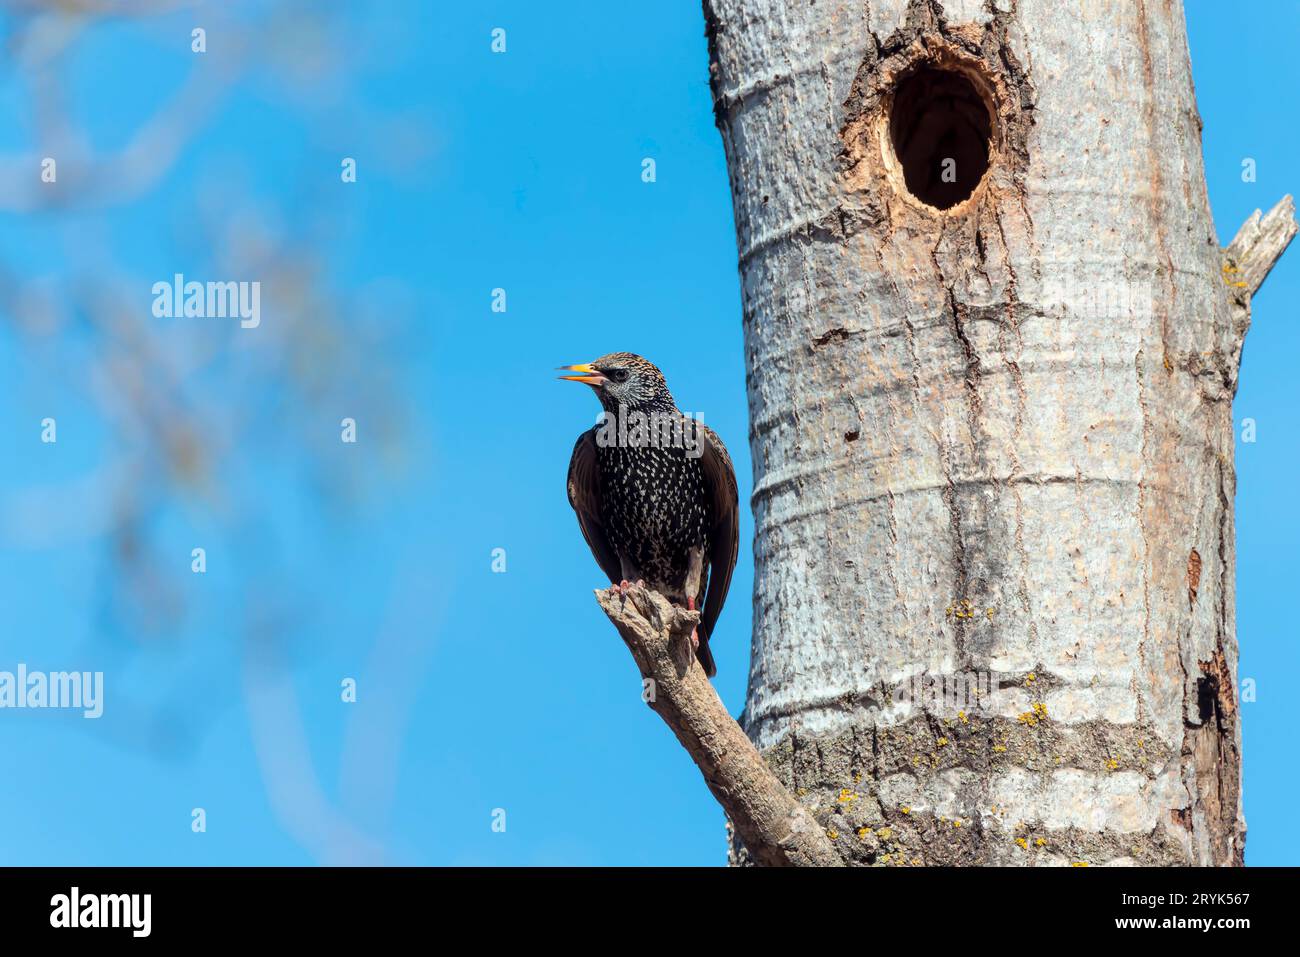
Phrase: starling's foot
(695,632)
(623,586)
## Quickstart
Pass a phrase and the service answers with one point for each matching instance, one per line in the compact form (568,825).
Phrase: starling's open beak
(589,375)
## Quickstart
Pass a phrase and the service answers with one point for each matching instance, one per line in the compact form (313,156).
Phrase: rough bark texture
(775,828)
(991,443)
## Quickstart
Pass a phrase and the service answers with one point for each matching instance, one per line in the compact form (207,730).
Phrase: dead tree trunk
(992,344)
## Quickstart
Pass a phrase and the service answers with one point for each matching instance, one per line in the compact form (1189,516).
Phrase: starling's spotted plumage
(655,492)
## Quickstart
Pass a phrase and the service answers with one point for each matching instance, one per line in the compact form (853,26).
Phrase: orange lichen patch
(962,610)
(1230,273)
(1112,765)
(1022,843)
(1036,713)
(847,796)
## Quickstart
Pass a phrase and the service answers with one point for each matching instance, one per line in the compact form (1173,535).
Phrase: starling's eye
(618,375)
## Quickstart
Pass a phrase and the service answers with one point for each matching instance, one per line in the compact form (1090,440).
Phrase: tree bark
(992,433)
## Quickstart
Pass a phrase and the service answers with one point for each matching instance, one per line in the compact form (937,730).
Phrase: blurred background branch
(202,430)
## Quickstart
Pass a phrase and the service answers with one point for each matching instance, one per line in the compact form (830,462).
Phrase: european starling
(655,492)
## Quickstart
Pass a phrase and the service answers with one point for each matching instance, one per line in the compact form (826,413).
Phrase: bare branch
(1260,243)
(775,828)
(1247,260)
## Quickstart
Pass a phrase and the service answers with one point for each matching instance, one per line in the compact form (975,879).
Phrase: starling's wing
(584,496)
(724,516)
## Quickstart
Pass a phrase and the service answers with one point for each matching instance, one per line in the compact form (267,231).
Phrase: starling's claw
(623,586)
(695,632)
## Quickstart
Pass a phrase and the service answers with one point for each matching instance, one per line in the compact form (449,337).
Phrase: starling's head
(622,378)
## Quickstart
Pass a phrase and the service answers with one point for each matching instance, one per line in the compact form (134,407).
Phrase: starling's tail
(705,656)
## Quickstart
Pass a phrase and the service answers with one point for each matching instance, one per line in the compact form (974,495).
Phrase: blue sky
(373,561)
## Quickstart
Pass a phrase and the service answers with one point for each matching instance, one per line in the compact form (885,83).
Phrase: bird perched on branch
(655,492)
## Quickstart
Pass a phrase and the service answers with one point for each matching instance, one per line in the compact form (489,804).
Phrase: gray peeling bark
(991,427)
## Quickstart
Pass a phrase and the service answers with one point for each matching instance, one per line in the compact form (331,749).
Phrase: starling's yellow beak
(589,375)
